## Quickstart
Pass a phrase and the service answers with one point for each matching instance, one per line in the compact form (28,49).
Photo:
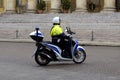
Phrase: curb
(17,40)
(83,43)
(95,43)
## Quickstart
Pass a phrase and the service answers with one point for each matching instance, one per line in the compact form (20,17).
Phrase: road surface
(17,63)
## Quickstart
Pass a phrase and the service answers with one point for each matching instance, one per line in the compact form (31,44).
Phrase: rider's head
(56,20)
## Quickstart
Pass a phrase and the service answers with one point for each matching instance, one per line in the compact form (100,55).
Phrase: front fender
(77,47)
(80,48)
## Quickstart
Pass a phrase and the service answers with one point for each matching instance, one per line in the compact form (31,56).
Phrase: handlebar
(69,31)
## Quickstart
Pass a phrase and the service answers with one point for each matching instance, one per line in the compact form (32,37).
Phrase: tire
(79,57)
(41,59)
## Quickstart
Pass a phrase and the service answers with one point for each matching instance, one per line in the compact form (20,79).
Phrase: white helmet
(56,20)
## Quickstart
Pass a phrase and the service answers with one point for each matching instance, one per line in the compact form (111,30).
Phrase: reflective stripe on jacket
(56,30)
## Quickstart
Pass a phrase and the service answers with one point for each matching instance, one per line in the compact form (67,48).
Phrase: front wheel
(79,57)
(41,59)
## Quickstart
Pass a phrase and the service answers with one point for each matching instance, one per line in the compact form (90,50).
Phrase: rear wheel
(79,57)
(41,59)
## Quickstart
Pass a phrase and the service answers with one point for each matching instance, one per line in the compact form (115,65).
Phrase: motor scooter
(46,51)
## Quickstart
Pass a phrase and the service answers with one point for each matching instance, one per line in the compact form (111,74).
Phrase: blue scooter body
(38,37)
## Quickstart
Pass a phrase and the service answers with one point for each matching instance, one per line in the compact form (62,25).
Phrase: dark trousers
(64,43)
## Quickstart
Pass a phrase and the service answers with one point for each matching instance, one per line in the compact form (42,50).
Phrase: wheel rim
(41,59)
(79,57)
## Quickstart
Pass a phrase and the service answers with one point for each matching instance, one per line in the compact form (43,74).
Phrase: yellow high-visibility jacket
(56,30)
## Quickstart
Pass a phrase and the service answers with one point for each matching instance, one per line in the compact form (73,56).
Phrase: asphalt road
(16,63)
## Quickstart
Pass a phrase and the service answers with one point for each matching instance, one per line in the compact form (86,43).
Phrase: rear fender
(35,52)
(41,52)
(46,56)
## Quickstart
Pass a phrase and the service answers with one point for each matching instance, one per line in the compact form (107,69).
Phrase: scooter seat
(49,42)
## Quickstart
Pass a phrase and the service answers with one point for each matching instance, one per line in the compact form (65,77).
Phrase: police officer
(56,31)
(58,36)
